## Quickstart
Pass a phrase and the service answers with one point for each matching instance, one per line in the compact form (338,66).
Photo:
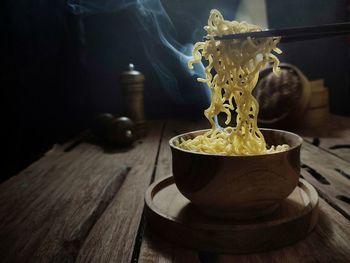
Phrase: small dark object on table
(115,131)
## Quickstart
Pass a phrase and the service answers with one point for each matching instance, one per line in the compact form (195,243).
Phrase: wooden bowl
(241,187)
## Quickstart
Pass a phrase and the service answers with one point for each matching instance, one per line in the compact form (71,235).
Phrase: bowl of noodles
(237,186)
(240,171)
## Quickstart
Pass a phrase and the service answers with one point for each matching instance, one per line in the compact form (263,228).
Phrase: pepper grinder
(132,82)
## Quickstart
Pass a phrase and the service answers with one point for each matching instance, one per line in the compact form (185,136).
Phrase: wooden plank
(333,136)
(48,209)
(329,242)
(155,248)
(322,170)
(37,171)
(113,236)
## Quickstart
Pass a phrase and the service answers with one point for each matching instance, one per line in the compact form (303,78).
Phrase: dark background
(62,66)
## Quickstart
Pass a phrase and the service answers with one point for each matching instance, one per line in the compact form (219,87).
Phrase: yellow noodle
(232,73)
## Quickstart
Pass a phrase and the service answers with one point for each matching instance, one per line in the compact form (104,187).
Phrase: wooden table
(81,202)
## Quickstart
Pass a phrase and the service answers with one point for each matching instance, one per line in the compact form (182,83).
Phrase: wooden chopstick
(294,33)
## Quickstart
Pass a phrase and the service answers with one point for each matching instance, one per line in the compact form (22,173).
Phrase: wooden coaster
(172,215)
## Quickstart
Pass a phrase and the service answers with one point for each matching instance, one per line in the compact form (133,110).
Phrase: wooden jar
(317,112)
(133,88)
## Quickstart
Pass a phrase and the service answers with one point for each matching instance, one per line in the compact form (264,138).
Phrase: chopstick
(294,33)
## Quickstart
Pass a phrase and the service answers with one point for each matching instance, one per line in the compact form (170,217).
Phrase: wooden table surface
(84,203)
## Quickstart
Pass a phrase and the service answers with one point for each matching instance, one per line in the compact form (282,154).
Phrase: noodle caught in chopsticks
(231,74)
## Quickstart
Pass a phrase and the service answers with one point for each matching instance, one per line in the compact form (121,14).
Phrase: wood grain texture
(333,136)
(156,249)
(320,169)
(327,243)
(53,208)
(171,215)
(113,236)
(47,210)
(153,247)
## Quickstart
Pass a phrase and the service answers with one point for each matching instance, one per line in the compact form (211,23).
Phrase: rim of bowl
(172,145)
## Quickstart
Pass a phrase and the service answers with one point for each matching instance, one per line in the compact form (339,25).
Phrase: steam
(88,7)
(156,28)
(152,20)
(159,23)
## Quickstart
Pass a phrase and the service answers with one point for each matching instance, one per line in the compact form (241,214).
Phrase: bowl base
(175,218)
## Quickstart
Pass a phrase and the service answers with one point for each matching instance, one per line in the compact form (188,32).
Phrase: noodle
(232,73)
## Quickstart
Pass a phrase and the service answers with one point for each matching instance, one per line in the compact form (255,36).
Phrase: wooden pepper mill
(133,86)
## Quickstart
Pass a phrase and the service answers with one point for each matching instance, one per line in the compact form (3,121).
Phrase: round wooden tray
(172,215)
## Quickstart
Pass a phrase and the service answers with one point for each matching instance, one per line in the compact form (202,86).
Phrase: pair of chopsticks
(295,33)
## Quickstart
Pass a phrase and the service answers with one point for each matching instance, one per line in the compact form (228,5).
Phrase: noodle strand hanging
(231,74)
